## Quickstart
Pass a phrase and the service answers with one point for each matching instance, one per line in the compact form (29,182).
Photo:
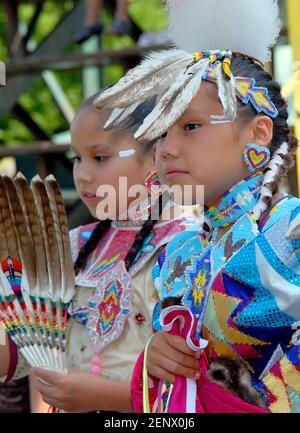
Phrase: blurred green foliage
(148,14)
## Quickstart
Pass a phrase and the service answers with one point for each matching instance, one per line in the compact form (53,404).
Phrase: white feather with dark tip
(173,103)
(247,26)
(227,96)
(152,76)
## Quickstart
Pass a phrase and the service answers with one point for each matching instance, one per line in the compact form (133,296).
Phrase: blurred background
(57,53)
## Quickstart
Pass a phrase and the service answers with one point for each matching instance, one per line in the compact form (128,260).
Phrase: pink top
(188,396)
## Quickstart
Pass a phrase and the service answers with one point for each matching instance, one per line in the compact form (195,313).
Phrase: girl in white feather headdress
(222,123)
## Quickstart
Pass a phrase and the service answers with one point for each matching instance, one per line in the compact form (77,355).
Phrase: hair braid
(91,244)
(142,235)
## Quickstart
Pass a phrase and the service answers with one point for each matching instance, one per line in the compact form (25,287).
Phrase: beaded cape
(245,291)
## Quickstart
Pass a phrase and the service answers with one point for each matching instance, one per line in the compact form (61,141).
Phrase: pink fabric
(210,398)
(13,362)
(136,386)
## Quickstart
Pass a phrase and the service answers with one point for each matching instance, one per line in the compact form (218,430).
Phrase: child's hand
(80,391)
(169,355)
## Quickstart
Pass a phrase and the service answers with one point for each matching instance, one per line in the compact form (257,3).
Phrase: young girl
(240,278)
(111,310)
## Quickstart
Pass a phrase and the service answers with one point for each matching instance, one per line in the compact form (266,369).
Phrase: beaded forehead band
(246,89)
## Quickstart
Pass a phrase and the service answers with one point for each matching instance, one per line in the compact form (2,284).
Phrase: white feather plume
(152,75)
(173,103)
(227,96)
(247,26)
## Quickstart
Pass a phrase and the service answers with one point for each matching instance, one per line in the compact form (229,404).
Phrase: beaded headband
(246,89)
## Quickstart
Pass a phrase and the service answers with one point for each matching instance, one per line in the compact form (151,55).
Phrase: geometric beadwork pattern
(197,277)
(252,311)
(109,307)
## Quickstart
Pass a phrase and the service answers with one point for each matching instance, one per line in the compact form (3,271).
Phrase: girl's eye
(101,158)
(163,136)
(191,126)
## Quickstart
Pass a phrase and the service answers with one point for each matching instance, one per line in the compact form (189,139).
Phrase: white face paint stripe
(126,153)
(219,122)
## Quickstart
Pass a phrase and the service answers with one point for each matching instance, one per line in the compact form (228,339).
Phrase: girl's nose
(83,172)
(169,146)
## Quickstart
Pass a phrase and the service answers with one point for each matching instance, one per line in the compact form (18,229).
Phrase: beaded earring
(153,184)
(256,156)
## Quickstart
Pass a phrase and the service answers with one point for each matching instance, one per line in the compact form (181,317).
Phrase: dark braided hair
(283,146)
(142,235)
(91,244)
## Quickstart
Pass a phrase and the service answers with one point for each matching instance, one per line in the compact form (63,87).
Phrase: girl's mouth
(172,173)
(90,197)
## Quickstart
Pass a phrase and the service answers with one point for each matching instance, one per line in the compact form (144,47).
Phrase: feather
(156,85)
(49,235)
(59,310)
(58,233)
(29,264)
(173,103)
(147,79)
(29,209)
(53,266)
(251,27)
(63,239)
(24,238)
(227,96)
(8,223)
(34,318)
(118,115)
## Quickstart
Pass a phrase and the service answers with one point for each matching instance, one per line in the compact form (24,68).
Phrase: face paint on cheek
(126,153)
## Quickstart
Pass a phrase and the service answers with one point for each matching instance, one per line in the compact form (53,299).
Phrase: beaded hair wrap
(282,160)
